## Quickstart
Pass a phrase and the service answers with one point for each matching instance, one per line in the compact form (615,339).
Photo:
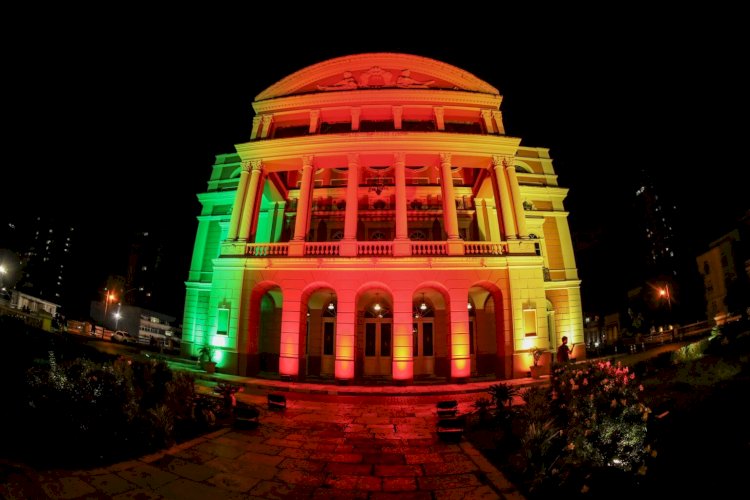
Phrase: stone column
(517,201)
(403,350)
(249,203)
(297,245)
(234,223)
(291,328)
(450,217)
(355,118)
(506,209)
(459,324)
(348,245)
(401,244)
(346,332)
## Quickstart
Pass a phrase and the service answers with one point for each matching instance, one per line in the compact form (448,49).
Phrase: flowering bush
(597,430)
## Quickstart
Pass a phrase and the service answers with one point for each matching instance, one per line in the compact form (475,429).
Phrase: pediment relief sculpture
(376,77)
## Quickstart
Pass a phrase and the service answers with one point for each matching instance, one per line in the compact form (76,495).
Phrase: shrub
(584,432)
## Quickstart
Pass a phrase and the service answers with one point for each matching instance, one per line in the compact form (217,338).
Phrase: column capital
(399,157)
(503,161)
(254,165)
(486,113)
(307,161)
(352,158)
(445,158)
(267,119)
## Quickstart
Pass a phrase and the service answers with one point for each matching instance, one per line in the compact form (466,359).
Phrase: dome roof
(375,71)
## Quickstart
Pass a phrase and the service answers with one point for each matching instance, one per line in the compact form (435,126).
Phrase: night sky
(116,129)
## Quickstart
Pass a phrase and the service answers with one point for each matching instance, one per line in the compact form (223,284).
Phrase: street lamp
(108,297)
(118,315)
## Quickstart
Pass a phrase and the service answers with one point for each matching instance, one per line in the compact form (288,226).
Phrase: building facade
(379,224)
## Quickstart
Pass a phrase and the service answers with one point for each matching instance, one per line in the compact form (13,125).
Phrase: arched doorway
(269,332)
(491,345)
(376,332)
(320,343)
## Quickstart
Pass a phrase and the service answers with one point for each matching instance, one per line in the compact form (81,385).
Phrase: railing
(267,249)
(485,248)
(375,248)
(425,248)
(429,248)
(324,248)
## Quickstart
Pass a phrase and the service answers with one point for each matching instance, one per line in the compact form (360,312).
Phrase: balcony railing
(375,248)
(323,248)
(485,248)
(429,248)
(267,250)
(385,248)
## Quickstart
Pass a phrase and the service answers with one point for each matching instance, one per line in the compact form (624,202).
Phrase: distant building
(380,224)
(31,304)
(46,250)
(655,217)
(143,323)
(149,270)
(725,268)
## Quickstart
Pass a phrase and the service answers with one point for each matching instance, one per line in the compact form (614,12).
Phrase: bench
(447,408)
(276,401)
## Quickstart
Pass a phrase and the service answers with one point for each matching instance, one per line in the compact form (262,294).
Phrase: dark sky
(116,129)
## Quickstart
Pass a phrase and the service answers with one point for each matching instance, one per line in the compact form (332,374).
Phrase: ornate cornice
(386,97)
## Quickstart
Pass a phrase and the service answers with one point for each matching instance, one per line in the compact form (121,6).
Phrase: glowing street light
(118,316)
(108,297)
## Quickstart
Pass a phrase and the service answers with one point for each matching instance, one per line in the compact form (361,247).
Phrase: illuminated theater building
(380,225)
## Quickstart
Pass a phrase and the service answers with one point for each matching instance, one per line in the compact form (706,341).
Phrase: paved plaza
(321,446)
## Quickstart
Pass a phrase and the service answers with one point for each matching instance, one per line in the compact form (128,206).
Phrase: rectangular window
(328,339)
(529,322)
(370,339)
(385,339)
(427,339)
(223,324)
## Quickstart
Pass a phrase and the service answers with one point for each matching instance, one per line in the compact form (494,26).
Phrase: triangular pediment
(376,71)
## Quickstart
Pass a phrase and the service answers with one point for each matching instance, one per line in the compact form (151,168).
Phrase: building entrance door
(423,331)
(378,346)
(328,354)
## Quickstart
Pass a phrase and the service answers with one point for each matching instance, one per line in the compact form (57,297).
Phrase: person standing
(563,352)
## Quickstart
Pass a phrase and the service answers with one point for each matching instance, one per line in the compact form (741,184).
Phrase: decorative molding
(356,97)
